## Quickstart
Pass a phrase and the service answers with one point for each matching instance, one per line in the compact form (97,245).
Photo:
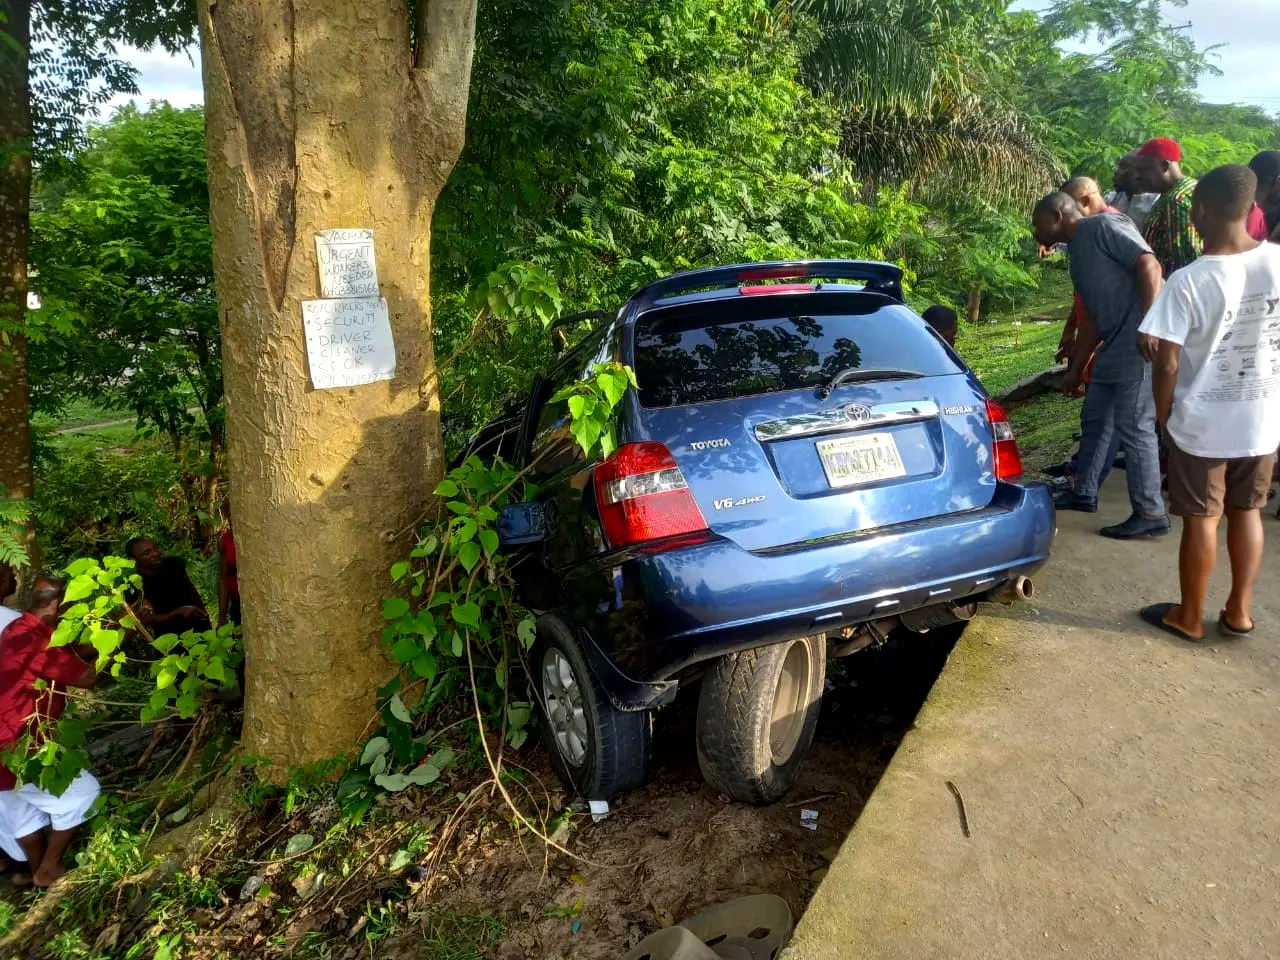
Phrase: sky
(1250,61)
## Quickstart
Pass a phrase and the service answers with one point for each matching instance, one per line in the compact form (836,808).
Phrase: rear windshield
(697,353)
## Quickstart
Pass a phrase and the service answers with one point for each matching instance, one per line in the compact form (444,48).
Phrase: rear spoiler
(882,278)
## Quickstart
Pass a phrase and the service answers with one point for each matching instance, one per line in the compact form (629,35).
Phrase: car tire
(596,749)
(757,715)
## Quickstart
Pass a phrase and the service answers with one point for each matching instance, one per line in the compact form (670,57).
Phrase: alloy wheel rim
(790,703)
(562,695)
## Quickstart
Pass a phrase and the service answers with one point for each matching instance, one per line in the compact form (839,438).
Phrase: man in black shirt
(173,601)
(944,320)
(1266,166)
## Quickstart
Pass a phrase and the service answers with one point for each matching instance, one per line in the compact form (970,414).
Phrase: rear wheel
(757,715)
(596,749)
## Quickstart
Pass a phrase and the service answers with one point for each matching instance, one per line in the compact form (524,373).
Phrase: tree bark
(319,115)
(973,308)
(15,240)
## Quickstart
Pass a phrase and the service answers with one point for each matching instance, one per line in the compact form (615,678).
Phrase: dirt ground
(677,846)
(661,855)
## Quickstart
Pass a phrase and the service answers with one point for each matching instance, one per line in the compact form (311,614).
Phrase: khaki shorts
(1202,488)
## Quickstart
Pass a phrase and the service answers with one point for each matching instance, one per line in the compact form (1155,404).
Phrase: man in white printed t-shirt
(1214,333)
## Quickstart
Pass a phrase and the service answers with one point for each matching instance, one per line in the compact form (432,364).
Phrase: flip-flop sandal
(1227,630)
(1155,615)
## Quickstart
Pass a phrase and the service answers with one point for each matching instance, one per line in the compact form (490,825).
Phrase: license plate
(850,461)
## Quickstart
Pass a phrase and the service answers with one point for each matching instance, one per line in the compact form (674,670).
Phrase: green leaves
(376,747)
(591,403)
(394,607)
(467,614)
(423,774)
(522,294)
(469,555)
(399,710)
(79,588)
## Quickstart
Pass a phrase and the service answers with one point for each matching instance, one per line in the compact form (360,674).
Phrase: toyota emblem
(857,413)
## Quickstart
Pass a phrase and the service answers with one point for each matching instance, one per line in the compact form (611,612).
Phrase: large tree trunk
(15,239)
(320,115)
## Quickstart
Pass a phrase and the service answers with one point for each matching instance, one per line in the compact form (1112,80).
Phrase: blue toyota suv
(804,467)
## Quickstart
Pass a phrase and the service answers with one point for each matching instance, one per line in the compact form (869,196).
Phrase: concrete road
(1121,787)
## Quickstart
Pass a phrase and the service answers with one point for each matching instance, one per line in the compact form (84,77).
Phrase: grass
(1045,428)
(1010,345)
(77,413)
(456,936)
(1002,354)
(121,436)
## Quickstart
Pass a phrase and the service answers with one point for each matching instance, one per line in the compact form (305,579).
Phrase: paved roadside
(1121,788)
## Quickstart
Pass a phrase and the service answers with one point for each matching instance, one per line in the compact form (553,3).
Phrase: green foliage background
(607,144)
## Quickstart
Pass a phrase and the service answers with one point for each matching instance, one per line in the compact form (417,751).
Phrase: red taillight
(1008,461)
(777,288)
(642,495)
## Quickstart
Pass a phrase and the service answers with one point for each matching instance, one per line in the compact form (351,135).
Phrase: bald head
(8,581)
(1055,219)
(1087,195)
(46,598)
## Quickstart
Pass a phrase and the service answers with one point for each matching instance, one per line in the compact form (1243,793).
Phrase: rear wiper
(858,375)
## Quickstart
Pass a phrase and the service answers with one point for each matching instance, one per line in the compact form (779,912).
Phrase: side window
(553,448)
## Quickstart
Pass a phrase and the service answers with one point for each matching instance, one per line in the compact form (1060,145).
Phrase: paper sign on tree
(348,341)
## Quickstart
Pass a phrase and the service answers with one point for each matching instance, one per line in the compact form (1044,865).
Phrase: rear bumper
(656,614)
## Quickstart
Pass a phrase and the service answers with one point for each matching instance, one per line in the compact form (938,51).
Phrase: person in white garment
(8,585)
(38,825)
(1214,334)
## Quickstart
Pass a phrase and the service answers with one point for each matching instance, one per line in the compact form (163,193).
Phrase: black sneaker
(1137,528)
(1063,469)
(1073,501)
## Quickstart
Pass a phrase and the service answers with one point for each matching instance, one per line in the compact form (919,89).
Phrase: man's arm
(1087,341)
(1067,342)
(61,665)
(1150,280)
(1165,378)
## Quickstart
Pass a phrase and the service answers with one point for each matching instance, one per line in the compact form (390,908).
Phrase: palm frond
(881,56)
(968,147)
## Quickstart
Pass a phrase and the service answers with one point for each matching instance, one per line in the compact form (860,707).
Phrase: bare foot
(48,873)
(1175,619)
(1238,622)
(20,880)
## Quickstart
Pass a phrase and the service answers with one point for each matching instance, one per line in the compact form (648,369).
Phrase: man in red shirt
(36,826)
(228,579)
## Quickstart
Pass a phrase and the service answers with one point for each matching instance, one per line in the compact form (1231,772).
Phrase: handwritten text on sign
(347,266)
(348,341)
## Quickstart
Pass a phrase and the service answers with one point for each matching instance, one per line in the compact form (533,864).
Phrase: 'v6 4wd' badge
(730,502)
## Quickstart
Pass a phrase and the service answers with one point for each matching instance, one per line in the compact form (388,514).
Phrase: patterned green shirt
(1169,230)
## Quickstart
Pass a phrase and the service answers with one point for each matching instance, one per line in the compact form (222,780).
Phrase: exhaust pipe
(940,615)
(1017,590)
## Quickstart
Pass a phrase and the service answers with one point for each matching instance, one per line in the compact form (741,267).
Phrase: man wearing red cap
(1168,230)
